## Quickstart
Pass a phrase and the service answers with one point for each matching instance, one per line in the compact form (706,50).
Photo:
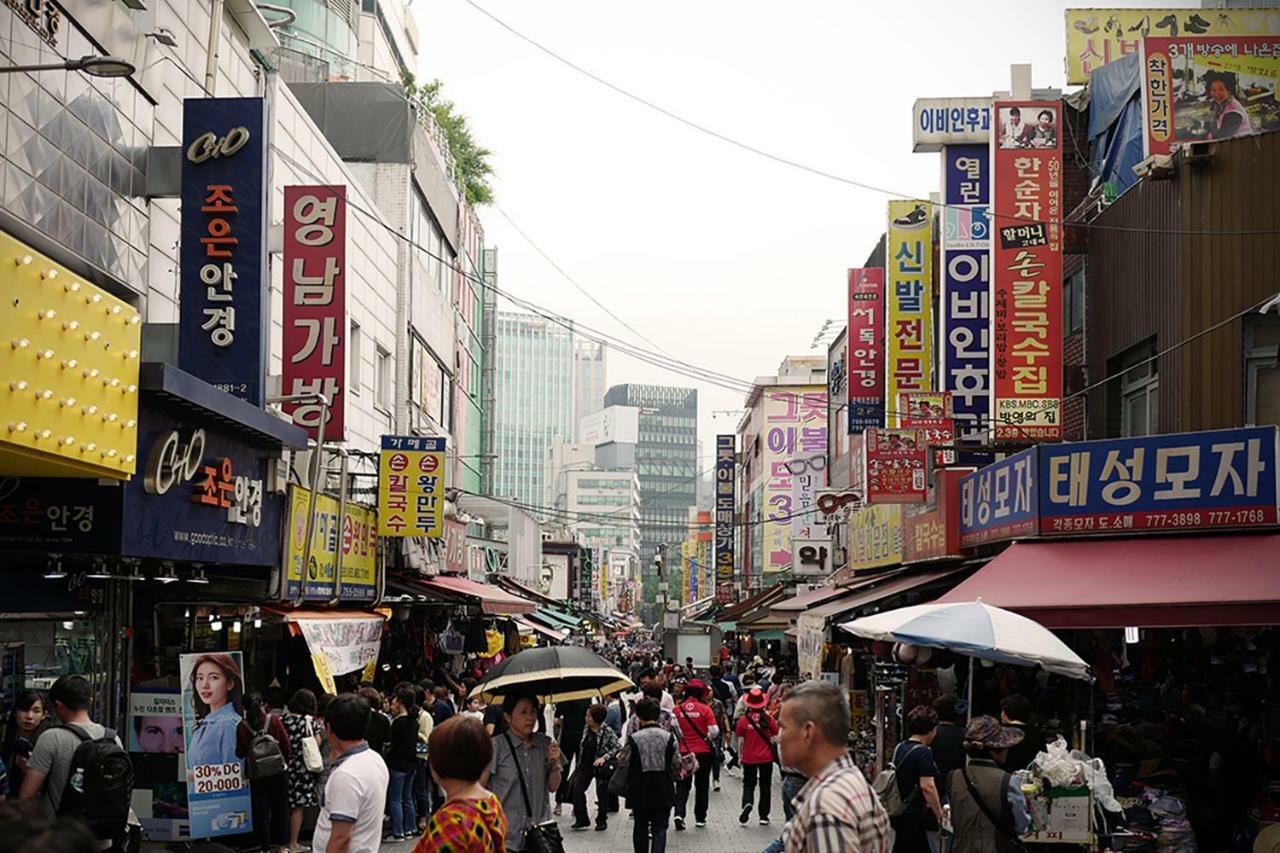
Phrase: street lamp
(94,66)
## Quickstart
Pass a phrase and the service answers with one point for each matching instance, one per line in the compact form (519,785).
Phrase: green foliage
(470,159)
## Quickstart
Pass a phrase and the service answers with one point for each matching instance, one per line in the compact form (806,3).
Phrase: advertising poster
(155,722)
(865,378)
(909,300)
(1098,36)
(411,486)
(1200,88)
(965,336)
(931,531)
(875,537)
(212,707)
(357,535)
(1026,262)
(315,306)
(931,414)
(895,462)
(811,635)
(725,502)
(222,327)
(340,646)
(795,440)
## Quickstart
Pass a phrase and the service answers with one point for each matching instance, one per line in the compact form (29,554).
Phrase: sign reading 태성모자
(875,537)
(725,500)
(1000,501)
(895,461)
(315,306)
(966,288)
(1026,267)
(1197,88)
(865,339)
(937,122)
(213,688)
(411,486)
(357,535)
(1098,36)
(223,254)
(908,301)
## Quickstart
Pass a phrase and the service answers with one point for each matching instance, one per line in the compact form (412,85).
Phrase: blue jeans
(400,804)
(791,785)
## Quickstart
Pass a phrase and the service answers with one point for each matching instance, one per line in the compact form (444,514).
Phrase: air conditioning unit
(1198,152)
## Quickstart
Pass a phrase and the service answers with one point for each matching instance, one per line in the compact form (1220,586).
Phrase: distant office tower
(588,381)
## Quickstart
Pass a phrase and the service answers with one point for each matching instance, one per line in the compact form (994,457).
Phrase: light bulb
(217,625)
(235,626)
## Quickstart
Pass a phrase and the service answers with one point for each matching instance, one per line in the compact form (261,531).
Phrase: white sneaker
(715,787)
(764,821)
(700,823)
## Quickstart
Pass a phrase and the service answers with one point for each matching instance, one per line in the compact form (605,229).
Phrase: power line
(813,170)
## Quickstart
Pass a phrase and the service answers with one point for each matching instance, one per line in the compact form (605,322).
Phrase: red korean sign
(1026,252)
(932,531)
(866,349)
(932,413)
(894,463)
(315,307)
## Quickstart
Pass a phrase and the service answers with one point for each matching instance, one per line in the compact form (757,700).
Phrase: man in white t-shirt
(356,794)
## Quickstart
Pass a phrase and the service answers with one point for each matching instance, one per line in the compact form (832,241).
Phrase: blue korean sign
(223,321)
(1000,501)
(965,174)
(966,339)
(1187,481)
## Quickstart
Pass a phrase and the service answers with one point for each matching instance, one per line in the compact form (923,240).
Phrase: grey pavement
(722,833)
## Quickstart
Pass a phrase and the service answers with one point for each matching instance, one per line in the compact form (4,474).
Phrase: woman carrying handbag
(757,730)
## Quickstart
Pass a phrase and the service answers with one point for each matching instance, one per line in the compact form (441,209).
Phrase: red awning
(1155,582)
(886,586)
(491,599)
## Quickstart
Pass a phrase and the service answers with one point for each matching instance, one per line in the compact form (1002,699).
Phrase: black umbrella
(553,674)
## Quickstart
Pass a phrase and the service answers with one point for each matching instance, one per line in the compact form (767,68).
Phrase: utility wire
(813,170)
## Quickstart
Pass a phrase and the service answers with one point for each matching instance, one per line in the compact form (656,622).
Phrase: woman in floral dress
(299,722)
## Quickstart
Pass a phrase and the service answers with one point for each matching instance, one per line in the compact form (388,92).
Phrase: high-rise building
(667,463)
(588,381)
(534,390)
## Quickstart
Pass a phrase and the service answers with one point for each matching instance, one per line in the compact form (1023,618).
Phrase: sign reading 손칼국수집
(411,471)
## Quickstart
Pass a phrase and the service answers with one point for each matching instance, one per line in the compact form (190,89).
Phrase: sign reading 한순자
(411,486)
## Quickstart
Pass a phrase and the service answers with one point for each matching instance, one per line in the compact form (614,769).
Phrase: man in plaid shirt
(836,811)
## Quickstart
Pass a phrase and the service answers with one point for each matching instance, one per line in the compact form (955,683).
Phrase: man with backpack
(81,767)
(914,777)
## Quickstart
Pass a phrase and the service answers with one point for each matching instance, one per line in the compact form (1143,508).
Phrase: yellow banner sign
(908,264)
(411,486)
(357,535)
(875,537)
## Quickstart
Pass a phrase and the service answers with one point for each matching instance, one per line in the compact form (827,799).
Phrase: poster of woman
(212,707)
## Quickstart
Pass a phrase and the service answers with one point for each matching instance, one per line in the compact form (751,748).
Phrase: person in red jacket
(697,729)
(757,730)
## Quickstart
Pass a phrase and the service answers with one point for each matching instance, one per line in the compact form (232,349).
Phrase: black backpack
(266,758)
(99,784)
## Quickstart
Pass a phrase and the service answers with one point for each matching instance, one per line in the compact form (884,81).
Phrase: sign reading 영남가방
(223,322)
(357,535)
(411,486)
(908,301)
(724,529)
(315,307)
(1197,88)
(936,122)
(875,537)
(1026,268)
(865,339)
(1098,36)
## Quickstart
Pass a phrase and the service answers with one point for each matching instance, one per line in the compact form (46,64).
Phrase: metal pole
(311,499)
(211,56)
(342,514)
(970,690)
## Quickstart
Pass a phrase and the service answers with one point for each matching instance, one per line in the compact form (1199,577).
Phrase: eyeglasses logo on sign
(178,458)
(208,145)
(42,16)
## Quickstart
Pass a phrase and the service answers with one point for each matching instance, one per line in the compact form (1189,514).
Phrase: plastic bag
(1065,769)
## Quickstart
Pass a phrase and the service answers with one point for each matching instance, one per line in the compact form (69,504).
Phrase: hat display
(986,732)
(755,698)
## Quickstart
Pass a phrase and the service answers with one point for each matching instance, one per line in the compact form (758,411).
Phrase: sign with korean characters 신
(794,440)
(865,377)
(725,501)
(1098,36)
(357,535)
(1001,501)
(937,122)
(931,413)
(908,301)
(895,461)
(222,321)
(1198,88)
(875,537)
(1188,481)
(1026,269)
(411,486)
(315,306)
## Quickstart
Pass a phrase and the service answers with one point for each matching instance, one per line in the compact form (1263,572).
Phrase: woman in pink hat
(757,730)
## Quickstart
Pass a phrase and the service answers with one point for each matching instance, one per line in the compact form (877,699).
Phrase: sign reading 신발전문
(411,486)
(908,301)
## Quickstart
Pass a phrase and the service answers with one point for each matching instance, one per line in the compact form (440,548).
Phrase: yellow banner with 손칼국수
(411,472)
(357,536)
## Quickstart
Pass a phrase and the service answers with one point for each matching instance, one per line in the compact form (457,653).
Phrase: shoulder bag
(688,759)
(982,807)
(764,736)
(311,749)
(538,837)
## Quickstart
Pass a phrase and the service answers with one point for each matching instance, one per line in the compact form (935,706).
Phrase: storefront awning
(555,618)
(491,599)
(527,625)
(210,404)
(1154,582)
(773,634)
(886,586)
(765,597)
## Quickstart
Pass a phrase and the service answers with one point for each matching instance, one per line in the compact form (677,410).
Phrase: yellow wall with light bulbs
(69,357)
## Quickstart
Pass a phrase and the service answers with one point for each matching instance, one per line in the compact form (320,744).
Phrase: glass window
(353,374)
(1074,308)
(1139,393)
(382,378)
(1262,370)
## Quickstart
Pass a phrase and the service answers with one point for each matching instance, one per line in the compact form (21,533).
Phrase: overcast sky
(725,260)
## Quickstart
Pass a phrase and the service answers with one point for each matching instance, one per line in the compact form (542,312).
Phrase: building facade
(588,380)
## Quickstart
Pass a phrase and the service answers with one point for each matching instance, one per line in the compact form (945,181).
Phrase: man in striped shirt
(836,811)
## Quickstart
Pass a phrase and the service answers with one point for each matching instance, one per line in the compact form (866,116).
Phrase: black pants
(647,822)
(568,752)
(700,782)
(764,772)
(911,831)
(270,802)
(581,782)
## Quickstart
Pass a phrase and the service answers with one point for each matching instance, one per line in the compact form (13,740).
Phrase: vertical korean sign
(1026,261)
(908,297)
(315,307)
(212,707)
(795,439)
(223,249)
(725,500)
(866,349)
(966,284)
(411,486)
